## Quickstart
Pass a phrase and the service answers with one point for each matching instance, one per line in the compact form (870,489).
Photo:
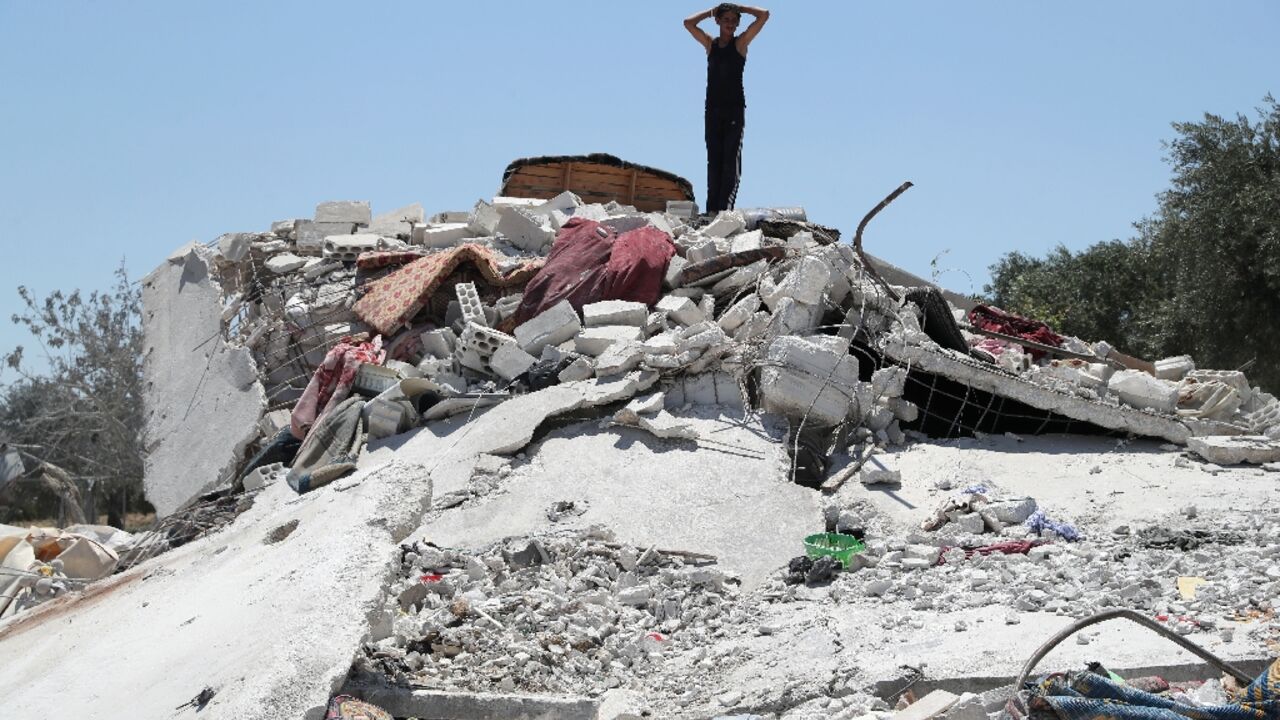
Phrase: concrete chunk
(1174,368)
(523,229)
(285,263)
(398,222)
(807,281)
(727,223)
(509,361)
(740,312)
(614,312)
(681,309)
(594,341)
(805,379)
(1233,450)
(1141,390)
(344,211)
(551,327)
(440,236)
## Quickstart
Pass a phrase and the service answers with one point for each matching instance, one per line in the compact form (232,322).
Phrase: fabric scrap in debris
(590,262)
(389,303)
(1087,695)
(1039,522)
(331,449)
(996,320)
(331,383)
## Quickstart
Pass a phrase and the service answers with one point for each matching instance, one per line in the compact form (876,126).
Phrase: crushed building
(441,379)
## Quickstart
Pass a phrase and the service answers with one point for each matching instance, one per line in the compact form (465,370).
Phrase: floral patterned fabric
(331,383)
(389,303)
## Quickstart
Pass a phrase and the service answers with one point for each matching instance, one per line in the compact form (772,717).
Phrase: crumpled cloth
(331,383)
(590,262)
(1007,547)
(389,303)
(331,448)
(996,320)
(1039,522)
(1088,695)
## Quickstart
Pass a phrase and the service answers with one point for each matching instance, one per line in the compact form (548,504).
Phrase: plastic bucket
(839,546)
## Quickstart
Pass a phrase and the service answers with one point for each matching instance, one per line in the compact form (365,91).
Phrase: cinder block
(594,341)
(551,327)
(804,378)
(614,312)
(264,475)
(509,361)
(686,209)
(469,303)
(348,248)
(440,236)
(344,211)
(484,219)
(681,309)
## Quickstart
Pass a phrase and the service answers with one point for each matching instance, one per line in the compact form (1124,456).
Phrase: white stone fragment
(1141,390)
(1174,368)
(1233,450)
(440,236)
(615,312)
(681,309)
(594,341)
(523,229)
(550,327)
(740,312)
(344,211)
(285,263)
(579,369)
(804,378)
(509,361)
(728,222)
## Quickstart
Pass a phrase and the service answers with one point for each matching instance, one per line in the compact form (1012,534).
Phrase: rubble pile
(467,309)
(1192,577)
(566,612)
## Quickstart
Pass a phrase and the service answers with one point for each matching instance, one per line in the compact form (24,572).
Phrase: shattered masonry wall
(203,398)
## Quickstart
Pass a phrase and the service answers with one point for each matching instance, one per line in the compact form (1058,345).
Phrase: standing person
(726,102)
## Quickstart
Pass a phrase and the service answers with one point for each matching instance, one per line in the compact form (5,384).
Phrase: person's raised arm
(761,17)
(691,24)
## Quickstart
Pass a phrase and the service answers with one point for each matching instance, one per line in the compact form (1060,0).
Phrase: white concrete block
(681,309)
(686,209)
(740,312)
(579,369)
(807,281)
(889,382)
(285,263)
(283,228)
(1141,390)
(675,266)
(620,357)
(509,361)
(398,222)
(742,242)
(523,229)
(802,378)
(794,318)
(702,251)
(234,247)
(566,202)
(1174,368)
(552,327)
(440,236)
(344,211)
(264,475)
(728,222)
(614,312)
(484,219)
(439,343)
(594,341)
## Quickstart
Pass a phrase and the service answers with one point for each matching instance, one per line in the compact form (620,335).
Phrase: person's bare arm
(691,24)
(761,17)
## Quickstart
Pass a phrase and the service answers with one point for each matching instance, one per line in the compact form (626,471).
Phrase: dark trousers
(724,156)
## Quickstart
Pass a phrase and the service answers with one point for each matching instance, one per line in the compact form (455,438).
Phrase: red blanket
(1005,323)
(590,262)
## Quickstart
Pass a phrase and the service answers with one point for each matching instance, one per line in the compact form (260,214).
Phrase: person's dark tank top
(724,76)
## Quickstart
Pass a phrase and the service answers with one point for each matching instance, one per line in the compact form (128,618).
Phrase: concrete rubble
(594,510)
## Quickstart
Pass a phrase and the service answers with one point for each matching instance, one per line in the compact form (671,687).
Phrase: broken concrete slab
(1235,450)
(356,212)
(398,222)
(509,361)
(440,236)
(807,378)
(681,309)
(203,397)
(594,341)
(271,644)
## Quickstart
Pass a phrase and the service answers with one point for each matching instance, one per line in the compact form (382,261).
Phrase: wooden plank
(631,193)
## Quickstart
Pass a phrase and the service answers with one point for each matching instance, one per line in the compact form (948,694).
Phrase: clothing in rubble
(590,262)
(1006,323)
(725,117)
(1087,695)
(331,448)
(332,381)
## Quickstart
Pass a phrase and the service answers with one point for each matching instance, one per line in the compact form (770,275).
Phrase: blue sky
(131,128)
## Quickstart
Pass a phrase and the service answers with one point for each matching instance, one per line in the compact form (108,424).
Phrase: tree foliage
(1202,275)
(83,410)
